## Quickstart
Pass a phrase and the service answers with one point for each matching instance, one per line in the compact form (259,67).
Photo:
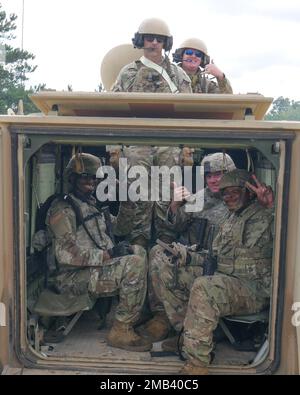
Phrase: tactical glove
(210,265)
(121,249)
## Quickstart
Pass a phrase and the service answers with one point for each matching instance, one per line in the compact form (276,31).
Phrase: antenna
(22,35)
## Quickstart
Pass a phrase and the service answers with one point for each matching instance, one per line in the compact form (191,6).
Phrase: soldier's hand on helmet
(264,193)
(121,249)
(212,69)
(180,194)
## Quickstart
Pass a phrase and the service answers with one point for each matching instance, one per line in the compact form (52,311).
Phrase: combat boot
(156,329)
(123,336)
(194,367)
(171,344)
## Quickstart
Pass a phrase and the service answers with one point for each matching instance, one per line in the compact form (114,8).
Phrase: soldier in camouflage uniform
(193,58)
(241,285)
(148,73)
(87,260)
(171,313)
(153,72)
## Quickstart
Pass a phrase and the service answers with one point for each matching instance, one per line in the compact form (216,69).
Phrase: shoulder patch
(58,205)
(61,218)
(133,66)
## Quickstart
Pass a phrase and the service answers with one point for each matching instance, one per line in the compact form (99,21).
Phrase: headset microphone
(149,49)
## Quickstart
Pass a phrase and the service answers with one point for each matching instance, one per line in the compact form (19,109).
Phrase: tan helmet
(153,26)
(82,164)
(218,161)
(193,43)
(114,60)
(236,178)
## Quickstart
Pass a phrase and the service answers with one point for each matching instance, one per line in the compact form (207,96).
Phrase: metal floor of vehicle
(87,342)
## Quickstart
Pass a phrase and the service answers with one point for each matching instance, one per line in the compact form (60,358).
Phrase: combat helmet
(82,164)
(235,178)
(153,26)
(218,161)
(193,43)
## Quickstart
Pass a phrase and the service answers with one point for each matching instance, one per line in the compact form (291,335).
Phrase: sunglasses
(193,52)
(87,176)
(152,37)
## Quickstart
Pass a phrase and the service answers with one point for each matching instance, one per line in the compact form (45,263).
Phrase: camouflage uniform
(81,268)
(241,284)
(201,84)
(254,225)
(185,225)
(136,77)
(161,264)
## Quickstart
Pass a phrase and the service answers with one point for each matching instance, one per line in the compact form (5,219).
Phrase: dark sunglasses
(87,176)
(152,37)
(193,52)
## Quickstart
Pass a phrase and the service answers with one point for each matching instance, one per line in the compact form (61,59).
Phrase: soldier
(193,58)
(241,285)
(214,210)
(153,72)
(88,261)
(181,222)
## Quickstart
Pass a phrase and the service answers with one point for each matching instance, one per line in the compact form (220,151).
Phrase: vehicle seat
(237,327)
(51,304)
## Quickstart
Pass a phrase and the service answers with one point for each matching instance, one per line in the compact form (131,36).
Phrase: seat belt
(161,71)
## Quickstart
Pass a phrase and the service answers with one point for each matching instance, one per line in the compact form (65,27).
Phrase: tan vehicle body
(134,119)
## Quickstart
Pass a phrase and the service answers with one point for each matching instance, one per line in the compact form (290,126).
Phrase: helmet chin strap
(82,196)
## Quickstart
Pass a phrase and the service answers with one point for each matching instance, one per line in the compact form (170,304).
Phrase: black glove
(121,249)
(210,265)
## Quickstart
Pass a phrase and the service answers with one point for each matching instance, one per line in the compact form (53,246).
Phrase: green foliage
(284,109)
(10,99)
(14,69)
(7,25)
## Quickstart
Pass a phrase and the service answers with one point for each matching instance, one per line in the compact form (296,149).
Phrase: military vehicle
(34,152)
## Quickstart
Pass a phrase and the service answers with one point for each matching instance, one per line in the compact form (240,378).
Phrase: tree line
(16,65)
(284,109)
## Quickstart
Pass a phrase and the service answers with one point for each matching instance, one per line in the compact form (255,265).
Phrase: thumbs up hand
(212,69)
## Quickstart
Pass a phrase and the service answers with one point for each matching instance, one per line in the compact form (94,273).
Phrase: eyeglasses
(87,176)
(152,37)
(199,54)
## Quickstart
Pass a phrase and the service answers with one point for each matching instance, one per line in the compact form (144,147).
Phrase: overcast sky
(255,42)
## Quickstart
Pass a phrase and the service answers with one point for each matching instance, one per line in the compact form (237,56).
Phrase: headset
(138,41)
